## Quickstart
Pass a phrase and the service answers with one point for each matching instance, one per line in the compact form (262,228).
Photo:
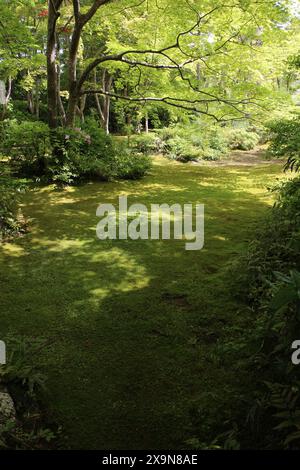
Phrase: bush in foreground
(267,278)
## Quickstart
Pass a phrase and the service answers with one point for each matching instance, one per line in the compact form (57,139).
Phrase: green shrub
(218,141)
(268,279)
(210,154)
(95,155)
(82,154)
(182,150)
(275,248)
(168,133)
(241,139)
(145,143)
(193,142)
(28,145)
(285,141)
(10,223)
(26,385)
(18,110)
(132,166)
(65,156)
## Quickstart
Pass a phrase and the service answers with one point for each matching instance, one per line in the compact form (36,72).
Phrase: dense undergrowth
(66,156)
(11,220)
(285,140)
(270,284)
(196,142)
(27,427)
(267,279)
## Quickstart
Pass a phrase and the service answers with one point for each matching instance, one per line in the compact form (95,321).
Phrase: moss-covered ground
(133,327)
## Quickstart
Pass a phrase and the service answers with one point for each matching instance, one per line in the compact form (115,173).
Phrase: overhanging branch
(121,56)
(188,105)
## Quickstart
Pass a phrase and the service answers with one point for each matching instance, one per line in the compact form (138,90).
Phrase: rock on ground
(7,408)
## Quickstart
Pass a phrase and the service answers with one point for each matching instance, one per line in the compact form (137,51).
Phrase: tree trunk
(104,107)
(72,75)
(52,83)
(106,86)
(60,105)
(37,98)
(146,123)
(80,107)
(97,100)
(59,100)
(30,104)
(6,98)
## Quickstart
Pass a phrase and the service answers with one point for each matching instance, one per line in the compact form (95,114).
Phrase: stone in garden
(7,408)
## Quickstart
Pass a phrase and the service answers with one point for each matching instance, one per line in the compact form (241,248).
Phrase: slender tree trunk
(37,98)
(52,85)
(107,114)
(99,109)
(80,107)
(106,86)
(59,100)
(61,109)
(6,98)
(72,75)
(30,102)
(146,123)
(107,106)
(97,100)
(103,107)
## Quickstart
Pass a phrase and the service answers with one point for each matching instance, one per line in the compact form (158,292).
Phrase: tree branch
(91,12)
(120,57)
(176,102)
(76,9)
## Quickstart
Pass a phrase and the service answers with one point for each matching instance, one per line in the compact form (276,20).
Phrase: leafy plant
(242,139)
(182,150)
(285,141)
(193,142)
(284,400)
(20,368)
(288,292)
(145,143)
(10,222)
(132,166)
(272,284)
(29,147)
(25,382)
(65,156)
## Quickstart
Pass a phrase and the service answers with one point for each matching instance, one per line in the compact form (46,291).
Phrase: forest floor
(135,329)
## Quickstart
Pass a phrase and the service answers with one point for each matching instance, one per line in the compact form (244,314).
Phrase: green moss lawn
(133,327)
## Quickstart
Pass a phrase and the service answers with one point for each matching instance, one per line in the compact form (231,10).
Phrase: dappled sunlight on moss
(122,316)
(60,245)
(12,249)
(135,275)
(218,237)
